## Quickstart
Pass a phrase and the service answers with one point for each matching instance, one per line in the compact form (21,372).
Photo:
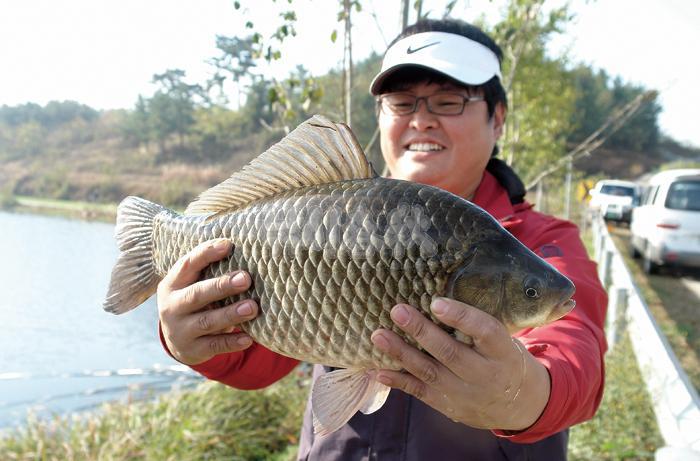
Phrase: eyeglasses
(438,103)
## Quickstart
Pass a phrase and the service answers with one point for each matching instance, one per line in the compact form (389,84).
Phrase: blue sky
(104,52)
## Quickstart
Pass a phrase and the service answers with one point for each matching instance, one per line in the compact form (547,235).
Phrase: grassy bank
(210,422)
(624,428)
(217,422)
(72,209)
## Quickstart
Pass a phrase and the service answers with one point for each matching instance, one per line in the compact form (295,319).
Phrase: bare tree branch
(376,22)
(372,140)
(616,120)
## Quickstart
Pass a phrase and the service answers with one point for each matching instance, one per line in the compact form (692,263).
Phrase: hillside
(630,164)
(108,168)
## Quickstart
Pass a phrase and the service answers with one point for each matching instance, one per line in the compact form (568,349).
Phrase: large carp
(331,248)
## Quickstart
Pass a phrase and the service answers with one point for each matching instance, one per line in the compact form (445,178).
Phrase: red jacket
(571,348)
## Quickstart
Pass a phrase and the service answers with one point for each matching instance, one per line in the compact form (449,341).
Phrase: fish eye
(532,288)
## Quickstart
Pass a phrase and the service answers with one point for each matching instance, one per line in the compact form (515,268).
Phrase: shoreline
(86,211)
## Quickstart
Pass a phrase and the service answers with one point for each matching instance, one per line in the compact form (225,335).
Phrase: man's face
(447,151)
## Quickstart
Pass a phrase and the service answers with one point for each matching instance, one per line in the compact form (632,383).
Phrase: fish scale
(314,279)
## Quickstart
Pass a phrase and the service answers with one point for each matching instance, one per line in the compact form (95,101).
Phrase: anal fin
(338,395)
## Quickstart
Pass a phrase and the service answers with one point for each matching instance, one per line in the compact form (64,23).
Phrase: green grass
(211,422)
(624,427)
(67,208)
(214,422)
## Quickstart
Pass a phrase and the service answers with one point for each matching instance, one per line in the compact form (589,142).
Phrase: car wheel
(649,266)
(634,252)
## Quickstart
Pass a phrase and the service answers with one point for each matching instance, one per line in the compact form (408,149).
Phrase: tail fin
(134,278)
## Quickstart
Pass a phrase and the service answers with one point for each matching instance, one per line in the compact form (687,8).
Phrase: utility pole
(567,209)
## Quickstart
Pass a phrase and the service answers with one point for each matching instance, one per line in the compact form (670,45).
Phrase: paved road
(693,284)
(689,278)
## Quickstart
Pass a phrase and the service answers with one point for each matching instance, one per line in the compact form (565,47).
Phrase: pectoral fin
(338,395)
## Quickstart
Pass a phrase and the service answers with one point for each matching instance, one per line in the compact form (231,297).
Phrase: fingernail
(438,306)
(384,379)
(238,279)
(245,309)
(380,341)
(244,341)
(400,315)
(222,244)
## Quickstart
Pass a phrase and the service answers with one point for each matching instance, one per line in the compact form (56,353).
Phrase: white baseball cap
(456,56)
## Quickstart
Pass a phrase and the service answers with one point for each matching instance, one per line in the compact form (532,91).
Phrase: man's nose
(422,118)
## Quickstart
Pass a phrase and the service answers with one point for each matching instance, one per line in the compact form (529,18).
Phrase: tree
(597,98)
(29,138)
(172,106)
(237,60)
(137,125)
(540,90)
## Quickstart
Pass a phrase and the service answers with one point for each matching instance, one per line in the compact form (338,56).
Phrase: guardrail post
(600,240)
(617,314)
(595,229)
(604,267)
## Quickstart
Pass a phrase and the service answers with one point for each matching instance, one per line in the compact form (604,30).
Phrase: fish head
(508,281)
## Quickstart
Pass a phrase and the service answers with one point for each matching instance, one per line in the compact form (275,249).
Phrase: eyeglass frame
(465,101)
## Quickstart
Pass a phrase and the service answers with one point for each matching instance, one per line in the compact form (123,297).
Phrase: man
(441,110)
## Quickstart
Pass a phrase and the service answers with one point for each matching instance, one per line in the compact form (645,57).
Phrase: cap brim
(462,59)
(376,86)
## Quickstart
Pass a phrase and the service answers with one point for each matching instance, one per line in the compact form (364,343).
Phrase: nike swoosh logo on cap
(413,50)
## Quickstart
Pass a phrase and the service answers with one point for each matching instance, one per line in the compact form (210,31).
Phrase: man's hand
(493,383)
(192,332)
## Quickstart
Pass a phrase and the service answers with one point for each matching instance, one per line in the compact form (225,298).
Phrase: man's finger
(215,320)
(201,294)
(411,359)
(491,338)
(433,339)
(211,345)
(406,382)
(186,270)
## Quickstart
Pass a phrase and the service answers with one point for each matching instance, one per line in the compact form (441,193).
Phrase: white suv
(613,199)
(665,228)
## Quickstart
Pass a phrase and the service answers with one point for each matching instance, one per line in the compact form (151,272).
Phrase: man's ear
(499,119)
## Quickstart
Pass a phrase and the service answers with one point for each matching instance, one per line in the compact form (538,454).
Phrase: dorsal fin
(317,152)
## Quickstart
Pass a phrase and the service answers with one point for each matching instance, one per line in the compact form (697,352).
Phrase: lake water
(59,351)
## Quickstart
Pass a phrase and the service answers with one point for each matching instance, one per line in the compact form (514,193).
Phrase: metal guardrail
(675,400)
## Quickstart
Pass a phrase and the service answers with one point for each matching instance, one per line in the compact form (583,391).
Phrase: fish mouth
(561,309)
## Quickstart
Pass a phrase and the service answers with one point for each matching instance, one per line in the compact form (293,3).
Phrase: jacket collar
(493,198)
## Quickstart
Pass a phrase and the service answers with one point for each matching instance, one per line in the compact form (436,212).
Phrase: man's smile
(424,147)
